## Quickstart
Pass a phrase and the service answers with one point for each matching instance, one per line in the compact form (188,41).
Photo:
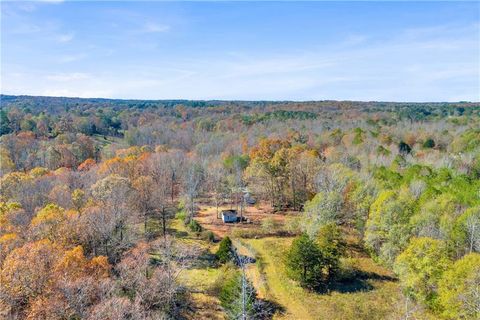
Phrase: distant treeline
(58,104)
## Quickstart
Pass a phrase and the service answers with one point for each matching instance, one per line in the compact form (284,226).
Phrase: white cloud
(27,7)
(152,27)
(355,39)
(77,93)
(72,57)
(274,65)
(25,29)
(67,37)
(68,76)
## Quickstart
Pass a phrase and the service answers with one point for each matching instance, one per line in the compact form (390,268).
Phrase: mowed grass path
(377,299)
(199,278)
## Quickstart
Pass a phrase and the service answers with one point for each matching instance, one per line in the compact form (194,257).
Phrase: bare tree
(239,188)
(216,180)
(473,232)
(176,164)
(149,273)
(193,181)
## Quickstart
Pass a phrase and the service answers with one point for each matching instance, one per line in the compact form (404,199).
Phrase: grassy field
(374,294)
(374,297)
(199,278)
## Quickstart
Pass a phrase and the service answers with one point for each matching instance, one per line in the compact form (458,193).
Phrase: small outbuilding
(229,216)
(248,198)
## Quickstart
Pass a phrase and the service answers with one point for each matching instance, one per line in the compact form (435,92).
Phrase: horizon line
(235,100)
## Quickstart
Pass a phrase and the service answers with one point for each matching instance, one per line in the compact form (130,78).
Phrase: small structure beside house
(229,216)
(248,198)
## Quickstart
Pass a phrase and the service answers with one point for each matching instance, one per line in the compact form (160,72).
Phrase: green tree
(429,220)
(359,201)
(194,226)
(404,148)
(233,161)
(388,228)
(332,247)
(4,123)
(323,209)
(224,253)
(28,125)
(420,267)
(78,198)
(305,262)
(465,234)
(429,143)
(459,289)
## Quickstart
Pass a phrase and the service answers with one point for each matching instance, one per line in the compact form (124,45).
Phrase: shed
(229,216)
(247,197)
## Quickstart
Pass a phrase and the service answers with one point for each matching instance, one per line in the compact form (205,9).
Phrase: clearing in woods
(374,294)
(207,217)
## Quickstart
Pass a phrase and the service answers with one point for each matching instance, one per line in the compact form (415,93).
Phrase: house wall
(229,218)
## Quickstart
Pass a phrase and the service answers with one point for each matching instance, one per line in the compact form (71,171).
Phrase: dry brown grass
(207,217)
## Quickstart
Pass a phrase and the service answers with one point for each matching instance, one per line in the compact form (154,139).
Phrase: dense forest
(105,209)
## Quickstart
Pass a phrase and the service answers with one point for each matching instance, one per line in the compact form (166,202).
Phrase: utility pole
(244,292)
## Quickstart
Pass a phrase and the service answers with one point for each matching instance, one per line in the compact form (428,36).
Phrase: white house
(229,216)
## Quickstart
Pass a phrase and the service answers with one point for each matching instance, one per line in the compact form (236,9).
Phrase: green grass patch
(379,301)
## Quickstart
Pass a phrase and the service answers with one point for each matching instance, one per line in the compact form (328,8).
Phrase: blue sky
(389,51)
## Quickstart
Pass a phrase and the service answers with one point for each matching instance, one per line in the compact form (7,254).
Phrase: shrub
(181,215)
(429,143)
(194,226)
(404,148)
(268,225)
(292,226)
(224,253)
(247,233)
(208,235)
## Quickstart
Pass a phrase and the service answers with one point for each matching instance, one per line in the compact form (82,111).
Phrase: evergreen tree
(224,253)
(305,262)
(404,148)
